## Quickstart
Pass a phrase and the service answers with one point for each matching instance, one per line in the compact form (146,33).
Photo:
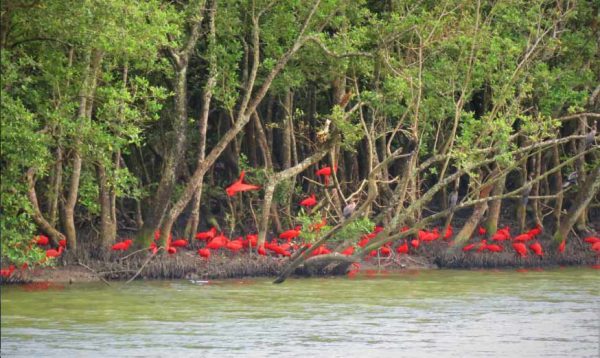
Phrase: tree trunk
(88,90)
(37,216)
(108,231)
(495,206)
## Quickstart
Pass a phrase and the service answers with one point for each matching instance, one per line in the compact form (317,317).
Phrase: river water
(433,313)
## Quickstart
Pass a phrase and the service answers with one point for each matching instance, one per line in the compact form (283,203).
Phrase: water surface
(434,313)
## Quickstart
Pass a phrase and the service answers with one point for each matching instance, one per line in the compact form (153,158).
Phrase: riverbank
(186,264)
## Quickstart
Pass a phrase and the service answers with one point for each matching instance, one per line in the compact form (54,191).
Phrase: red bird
(561,247)
(385,251)
(239,185)
(234,245)
(207,235)
(523,237)
(482,246)
(62,243)
(290,234)
(153,247)
(7,272)
(591,240)
(482,231)
(171,250)
(121,246)
(364,241)
(204,253)
(520,248)
(326,172)
(415,243)
(42,240)
(179,243)
(535,231)
(402,249)
(261,250)
(217,242)
(318,226)
(494,248)
(536,248)
(501,235)
(310,201)
(377,229)
(55,253)
(468,247)
(449,232)
(321,250)
(252,239)
(596,247)
(349,251)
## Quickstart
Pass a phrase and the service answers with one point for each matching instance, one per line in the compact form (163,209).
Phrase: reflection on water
(552,313)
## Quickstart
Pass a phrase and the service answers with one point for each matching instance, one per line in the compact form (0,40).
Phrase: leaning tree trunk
(585,195)
(469,227)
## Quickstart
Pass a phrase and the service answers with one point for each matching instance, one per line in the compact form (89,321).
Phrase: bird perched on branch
(453,199)
(349,209)
(571,179)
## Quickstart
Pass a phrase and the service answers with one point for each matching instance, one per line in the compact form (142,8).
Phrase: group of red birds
(213,240)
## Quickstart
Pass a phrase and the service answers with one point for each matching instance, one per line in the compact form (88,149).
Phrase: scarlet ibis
(364,241)
(310,201)
(415,243)
(402,249)
(349,209)
(217,242)
(592,239)
(55,253)
(385,251)
(318,226)
(321,250)
(179,243)
(482,231)
(207,235)
(500,235)
(171,250)
(349,251)
(239,185)
(42,240)
(520,248)
(561,247)
(261,250)
(252,239)
(153,247)
(494,248)
(378,229)
(62,243)
(536,248)
(204,253)
(482,246)
(535,231)
(596,247)
(355,269)
(234,245)
(326,172)
(523,237)
(449,232)
(121,246)
(7,272)
(468,247)
(290,234)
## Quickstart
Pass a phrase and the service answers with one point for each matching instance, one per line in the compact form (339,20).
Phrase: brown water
(436,313)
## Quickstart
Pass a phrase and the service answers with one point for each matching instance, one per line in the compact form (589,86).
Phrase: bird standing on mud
(349,209)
